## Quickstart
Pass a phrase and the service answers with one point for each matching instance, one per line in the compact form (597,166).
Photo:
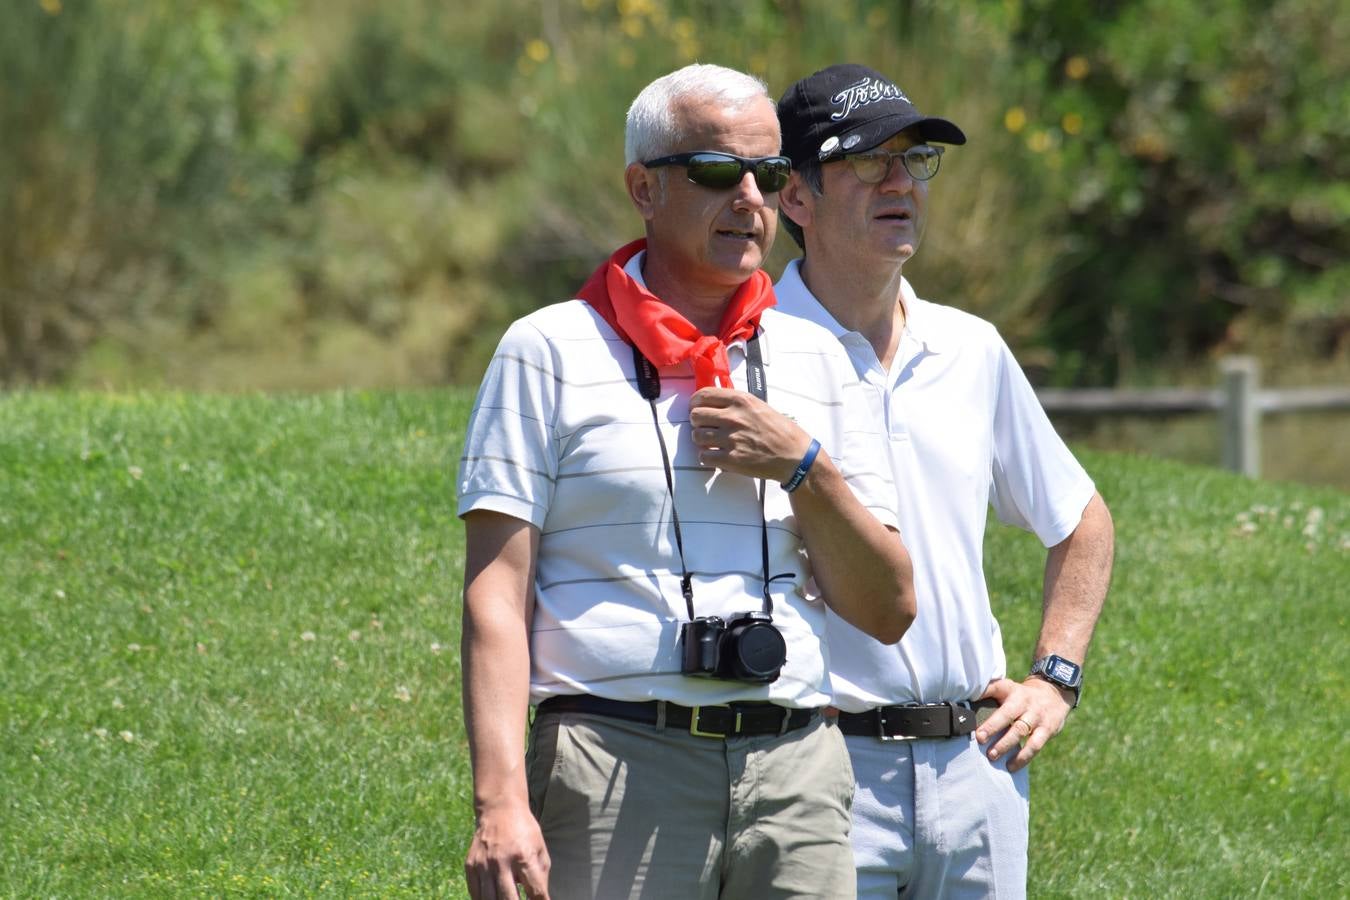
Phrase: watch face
(1062,670)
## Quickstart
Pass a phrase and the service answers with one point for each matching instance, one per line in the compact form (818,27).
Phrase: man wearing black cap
(940,807)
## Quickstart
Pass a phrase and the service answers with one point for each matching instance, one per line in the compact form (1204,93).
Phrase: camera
(745,647)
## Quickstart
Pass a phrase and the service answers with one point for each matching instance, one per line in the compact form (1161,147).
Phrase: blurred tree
(407,190)
(1204,150)
(306,193)
(120,122)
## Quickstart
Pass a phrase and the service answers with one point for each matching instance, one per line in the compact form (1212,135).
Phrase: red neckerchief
(664,336)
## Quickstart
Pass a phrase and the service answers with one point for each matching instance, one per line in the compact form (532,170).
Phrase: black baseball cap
(850,109)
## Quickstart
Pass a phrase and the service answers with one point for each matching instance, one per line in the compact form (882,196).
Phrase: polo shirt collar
(795,298)
(918,316)
(634,267)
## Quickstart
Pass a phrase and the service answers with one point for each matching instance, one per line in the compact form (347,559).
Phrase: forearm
(860,565)
(1077,575)
(500,555)
(496,669)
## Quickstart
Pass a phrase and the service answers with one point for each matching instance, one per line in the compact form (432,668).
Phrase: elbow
(881,603)
(892,632)
(902,620)
(885,620)
(900,612)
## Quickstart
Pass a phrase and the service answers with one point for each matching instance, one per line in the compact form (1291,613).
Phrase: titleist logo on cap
(868,90)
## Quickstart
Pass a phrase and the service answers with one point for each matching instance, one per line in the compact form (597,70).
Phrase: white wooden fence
(1238,398)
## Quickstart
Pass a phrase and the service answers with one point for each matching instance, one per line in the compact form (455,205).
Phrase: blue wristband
(803,467)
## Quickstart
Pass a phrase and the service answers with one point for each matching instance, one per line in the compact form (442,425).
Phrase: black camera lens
(758,649)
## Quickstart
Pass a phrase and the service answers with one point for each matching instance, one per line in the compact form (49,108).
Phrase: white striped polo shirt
(561,438)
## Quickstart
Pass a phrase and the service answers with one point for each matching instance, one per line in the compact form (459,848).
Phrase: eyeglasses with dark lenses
(725,170)
(921,162)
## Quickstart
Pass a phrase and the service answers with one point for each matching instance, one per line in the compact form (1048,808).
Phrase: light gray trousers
(936,818)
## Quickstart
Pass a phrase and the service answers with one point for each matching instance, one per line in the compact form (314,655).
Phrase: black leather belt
(926,720)
(722,721)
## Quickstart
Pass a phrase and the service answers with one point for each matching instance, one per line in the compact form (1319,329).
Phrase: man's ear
(797,201)
(644,189)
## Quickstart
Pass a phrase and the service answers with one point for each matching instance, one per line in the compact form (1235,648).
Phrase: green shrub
(1142,188)
(133,139)
(1206,157)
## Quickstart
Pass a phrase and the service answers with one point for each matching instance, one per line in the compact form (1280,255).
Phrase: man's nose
(897,180)
(748,194)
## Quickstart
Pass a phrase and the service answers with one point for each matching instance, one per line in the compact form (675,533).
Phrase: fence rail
(1238,399)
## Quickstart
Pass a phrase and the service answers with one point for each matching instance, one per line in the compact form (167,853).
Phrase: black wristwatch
(1060,672)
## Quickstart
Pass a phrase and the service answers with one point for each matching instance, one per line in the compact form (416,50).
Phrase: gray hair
(652,129)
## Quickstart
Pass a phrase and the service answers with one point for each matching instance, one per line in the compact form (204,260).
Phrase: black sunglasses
(725,170)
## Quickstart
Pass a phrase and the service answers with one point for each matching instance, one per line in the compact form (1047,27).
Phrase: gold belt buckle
(695,726)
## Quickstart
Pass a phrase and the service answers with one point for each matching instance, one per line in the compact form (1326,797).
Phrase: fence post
(1240,418)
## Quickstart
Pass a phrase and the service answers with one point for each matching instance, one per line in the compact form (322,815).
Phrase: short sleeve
(510,461)
(1037,485)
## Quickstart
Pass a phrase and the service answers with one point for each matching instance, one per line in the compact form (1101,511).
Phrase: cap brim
(878,131)
(941,130)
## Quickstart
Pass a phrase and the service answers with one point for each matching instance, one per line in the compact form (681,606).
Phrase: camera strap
(649,386)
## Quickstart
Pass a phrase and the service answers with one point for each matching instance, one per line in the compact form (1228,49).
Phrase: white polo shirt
(965,430)
(561,438)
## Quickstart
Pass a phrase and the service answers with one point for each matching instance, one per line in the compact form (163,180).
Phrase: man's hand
(507,850)
(740,433)
(1030,713)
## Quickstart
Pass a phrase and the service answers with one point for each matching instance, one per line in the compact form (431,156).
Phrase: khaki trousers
(630,810)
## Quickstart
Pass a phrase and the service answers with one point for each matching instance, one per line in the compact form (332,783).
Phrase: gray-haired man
(642,472)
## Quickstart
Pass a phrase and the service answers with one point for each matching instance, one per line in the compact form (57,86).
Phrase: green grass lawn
(230,662)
